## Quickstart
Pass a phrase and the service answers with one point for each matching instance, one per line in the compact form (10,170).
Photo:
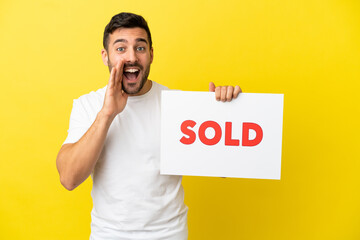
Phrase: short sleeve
(79,122)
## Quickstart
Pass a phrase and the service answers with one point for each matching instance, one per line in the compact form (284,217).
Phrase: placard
(204,137)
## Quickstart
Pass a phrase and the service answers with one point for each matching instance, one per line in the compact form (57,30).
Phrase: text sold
(186,129)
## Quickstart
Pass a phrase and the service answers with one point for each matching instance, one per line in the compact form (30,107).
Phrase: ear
(105,57)
(151,55)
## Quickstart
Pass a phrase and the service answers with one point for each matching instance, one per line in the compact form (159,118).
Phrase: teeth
(131,70)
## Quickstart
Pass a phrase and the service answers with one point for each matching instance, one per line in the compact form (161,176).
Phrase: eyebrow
(125,41)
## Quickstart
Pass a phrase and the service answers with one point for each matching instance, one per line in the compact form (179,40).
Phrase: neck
(144,89)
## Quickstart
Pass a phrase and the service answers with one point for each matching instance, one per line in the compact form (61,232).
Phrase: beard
(133,88)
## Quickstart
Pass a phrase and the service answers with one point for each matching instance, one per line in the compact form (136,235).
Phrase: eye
(120,49)
(140,48)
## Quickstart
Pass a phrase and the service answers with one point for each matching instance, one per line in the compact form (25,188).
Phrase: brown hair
(125,20)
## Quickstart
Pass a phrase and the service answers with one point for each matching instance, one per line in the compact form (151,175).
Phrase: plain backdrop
(308,50)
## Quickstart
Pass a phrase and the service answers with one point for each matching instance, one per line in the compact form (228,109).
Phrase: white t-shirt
(131,200)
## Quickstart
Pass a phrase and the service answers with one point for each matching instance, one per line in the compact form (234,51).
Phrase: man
(114,135)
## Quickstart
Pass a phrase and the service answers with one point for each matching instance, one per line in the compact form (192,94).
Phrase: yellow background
(307,49)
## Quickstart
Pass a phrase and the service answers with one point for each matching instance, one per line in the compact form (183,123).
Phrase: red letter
(187,131)
(245,135)
(203,137)
(228,140)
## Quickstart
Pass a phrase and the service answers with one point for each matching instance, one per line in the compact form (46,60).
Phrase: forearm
(76,161)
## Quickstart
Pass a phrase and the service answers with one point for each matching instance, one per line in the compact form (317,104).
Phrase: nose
(131,56)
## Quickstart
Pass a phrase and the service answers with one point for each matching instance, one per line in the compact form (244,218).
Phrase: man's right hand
(115,98)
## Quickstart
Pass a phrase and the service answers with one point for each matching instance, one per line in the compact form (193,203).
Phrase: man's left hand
(224,93)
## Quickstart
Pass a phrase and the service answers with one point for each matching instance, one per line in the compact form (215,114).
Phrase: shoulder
(159,87)
(93,95)
(90,103)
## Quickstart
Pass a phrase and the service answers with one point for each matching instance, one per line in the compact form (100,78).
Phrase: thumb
(125,95)
(211,87)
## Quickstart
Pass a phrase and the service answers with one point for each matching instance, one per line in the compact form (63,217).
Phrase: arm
(76,161)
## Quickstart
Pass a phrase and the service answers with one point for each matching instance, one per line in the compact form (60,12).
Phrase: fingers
(237,90)
(223,93)
(125,95)
(211,87)
(229,93)
(217,93)
(112,78)
(226,93)
(119,73)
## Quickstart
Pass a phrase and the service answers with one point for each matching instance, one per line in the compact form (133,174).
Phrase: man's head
(125,20)
(127,37)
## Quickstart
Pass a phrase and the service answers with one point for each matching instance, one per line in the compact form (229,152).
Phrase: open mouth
(131,74)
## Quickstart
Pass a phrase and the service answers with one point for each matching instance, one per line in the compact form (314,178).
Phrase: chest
(133,138)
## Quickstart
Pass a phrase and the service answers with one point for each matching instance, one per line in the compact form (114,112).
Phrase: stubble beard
(131,87)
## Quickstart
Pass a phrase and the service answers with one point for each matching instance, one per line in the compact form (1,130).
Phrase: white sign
(203,137)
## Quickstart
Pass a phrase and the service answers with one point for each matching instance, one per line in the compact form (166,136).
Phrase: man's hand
(225,93)
(115,98)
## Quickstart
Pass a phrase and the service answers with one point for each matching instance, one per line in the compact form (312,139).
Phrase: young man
(114,135)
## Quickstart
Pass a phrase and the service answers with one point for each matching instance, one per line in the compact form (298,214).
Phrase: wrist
(105,117)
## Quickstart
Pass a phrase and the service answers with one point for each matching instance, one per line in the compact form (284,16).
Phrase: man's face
(132,45)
